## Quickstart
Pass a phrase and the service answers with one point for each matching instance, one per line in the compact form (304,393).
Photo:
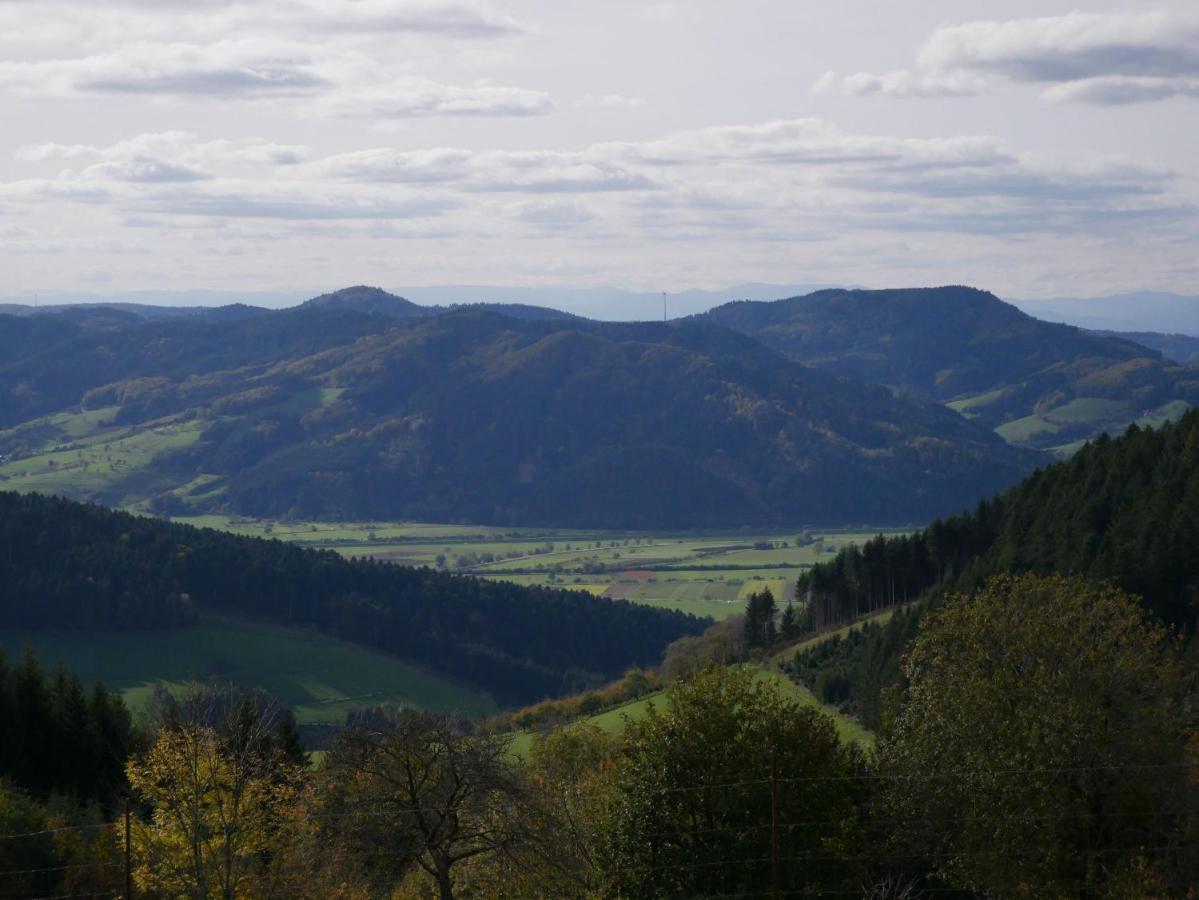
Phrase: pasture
(86,454)
(319,677)
(704,573)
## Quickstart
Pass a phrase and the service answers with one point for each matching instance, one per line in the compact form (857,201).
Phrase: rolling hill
(1038,384)
(468,415)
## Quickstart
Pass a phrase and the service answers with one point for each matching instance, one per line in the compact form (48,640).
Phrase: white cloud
(782,180)
(172,149)
(611,101)
(497,171)
(412,97)
(552,213)
(337,58)
(245,68)
(1105,58)
(815,142)
(1118,90)
(384,165)
(451,20)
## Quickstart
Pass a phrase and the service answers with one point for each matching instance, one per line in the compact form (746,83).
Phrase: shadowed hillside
(473,416)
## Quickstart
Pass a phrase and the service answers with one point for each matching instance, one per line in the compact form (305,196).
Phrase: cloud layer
(1104,58)
(334,58)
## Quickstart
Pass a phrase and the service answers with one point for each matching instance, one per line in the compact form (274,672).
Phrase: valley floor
(704,573)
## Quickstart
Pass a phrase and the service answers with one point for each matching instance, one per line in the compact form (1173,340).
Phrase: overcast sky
(1031,148)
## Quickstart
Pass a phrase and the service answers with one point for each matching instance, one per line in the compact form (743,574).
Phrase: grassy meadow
(704,573)
(319,677)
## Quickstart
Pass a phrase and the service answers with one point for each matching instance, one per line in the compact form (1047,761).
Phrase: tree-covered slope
(69,565)
(473,416)
(1039,384)
(1122,510)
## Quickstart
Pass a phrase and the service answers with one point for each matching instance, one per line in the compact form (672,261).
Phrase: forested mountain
(373,300)
(1181,348)
(469,415)
(1037,383)
(69,565)
(1122,510)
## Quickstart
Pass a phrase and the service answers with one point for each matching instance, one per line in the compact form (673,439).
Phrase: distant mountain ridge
(602,303)
(1180,348)
(1136,311)
(471,415)
(1039,384)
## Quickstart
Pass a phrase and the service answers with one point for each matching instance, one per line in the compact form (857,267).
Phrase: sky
(1035,149)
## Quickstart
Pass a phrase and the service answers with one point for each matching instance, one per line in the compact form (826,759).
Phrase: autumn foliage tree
(222,794)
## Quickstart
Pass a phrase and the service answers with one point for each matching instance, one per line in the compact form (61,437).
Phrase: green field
(704,573)
(319,677)
(85,454)
(849,729)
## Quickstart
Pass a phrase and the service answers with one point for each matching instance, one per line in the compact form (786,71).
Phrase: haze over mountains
(1157,312)
(1153,311)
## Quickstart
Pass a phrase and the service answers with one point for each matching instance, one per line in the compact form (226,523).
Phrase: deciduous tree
(1041,747)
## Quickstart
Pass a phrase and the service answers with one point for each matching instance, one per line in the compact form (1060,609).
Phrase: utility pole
(775,883)
(664,306)
(128,856)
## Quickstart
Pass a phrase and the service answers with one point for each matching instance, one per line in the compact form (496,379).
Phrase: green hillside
(319,677)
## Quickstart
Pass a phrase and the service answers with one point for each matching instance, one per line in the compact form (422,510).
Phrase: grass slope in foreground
(319,677)
(849,729)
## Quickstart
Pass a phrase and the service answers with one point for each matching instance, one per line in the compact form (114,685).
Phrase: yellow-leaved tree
(225,820)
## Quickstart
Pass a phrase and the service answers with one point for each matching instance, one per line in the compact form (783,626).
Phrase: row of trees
(1044,746)
(57,737)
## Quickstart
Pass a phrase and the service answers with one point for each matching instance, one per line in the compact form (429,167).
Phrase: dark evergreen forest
(65,564)
(1122,510)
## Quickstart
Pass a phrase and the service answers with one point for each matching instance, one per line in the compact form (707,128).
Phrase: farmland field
(704,573)
(86,454)
(319,677)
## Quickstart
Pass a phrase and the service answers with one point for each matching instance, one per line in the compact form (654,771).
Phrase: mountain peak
(373,300)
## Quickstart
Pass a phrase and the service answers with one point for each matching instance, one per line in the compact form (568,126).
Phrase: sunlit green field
(85,453)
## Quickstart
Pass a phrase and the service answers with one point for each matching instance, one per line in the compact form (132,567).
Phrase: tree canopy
(1044,740)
